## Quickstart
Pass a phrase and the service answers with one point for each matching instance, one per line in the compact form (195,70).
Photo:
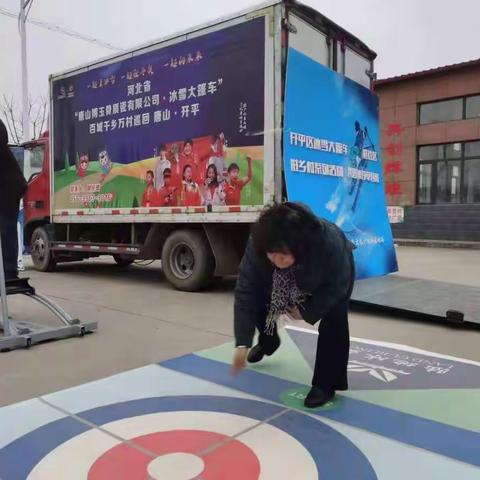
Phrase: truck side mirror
(32,176)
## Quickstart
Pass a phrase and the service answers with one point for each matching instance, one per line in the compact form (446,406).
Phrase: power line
(25,4)
(28,3)
(64,31)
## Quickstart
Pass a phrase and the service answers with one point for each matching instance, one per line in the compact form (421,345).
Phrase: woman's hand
(294,313)
(239,360)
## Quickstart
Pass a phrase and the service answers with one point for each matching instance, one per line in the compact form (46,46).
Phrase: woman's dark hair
(162,148)
(215,177)
(167,173)
(287,227)
(150,172)
(188,141)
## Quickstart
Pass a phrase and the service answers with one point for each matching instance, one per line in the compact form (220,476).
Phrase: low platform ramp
(419,298)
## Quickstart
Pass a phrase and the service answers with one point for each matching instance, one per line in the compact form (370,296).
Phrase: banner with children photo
(180,126)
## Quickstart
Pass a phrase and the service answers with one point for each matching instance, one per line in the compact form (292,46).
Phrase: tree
(12,115)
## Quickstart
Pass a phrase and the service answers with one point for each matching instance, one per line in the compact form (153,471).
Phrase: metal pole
(23,41)
(4,320)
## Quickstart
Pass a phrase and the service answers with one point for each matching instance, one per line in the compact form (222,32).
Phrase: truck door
(37,198)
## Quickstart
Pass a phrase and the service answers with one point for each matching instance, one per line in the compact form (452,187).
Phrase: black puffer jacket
(326,276)
(12,183)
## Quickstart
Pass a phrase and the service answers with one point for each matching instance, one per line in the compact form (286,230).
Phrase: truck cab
(37,172)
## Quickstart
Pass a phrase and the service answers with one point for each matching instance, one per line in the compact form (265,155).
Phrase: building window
(425,183)
(472,149)
(472,107)
(431,152)
(449,173)
(472,180)
(449,110)
(445,111)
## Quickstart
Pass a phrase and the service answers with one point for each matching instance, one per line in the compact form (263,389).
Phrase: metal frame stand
(18,334)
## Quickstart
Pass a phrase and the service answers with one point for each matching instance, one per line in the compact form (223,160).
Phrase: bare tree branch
(44,115)
(8,110)
(37,114)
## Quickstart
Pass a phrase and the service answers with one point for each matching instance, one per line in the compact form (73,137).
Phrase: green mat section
(456,407)
(287,362)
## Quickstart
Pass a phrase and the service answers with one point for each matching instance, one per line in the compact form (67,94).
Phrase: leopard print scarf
(285,295)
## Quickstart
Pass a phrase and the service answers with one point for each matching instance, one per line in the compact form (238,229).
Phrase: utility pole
(23,40)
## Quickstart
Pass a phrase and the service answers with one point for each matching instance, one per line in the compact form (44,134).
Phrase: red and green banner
(179,126)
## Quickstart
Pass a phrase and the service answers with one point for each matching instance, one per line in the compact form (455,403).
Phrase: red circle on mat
(232,460)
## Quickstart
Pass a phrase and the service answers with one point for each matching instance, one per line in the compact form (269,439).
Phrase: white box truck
(171,150)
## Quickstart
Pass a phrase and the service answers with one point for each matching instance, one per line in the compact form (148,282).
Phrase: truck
(171,150)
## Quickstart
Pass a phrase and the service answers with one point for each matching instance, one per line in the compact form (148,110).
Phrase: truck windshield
(33,161)
(18,153)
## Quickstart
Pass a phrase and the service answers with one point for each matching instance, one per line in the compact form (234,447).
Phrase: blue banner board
(332,159)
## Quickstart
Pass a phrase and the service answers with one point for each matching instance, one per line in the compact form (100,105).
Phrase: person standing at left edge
(12,188)
(301,266)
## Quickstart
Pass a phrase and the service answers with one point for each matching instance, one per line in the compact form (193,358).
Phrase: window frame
(443,100)
(463,158)
(464,187)
(465,107)
(463,98)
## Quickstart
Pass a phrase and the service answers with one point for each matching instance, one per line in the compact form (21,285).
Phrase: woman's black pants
(333,347)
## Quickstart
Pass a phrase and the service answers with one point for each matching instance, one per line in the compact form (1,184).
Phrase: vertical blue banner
(332,159)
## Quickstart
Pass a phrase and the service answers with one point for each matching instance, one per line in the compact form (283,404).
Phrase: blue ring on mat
(335,456)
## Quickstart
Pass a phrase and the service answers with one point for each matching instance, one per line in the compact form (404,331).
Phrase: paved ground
(445,264)
(142,321)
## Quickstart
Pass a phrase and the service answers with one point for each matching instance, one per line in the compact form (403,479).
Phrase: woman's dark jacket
(12,183)
(326,276)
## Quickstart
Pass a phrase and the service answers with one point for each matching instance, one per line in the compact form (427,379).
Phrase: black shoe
(318,397)
(257,353)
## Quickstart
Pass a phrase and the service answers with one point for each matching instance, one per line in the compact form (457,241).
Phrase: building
(430,140)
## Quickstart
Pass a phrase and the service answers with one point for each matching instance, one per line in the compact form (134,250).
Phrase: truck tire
(123,261)
(42,256)
(187,260)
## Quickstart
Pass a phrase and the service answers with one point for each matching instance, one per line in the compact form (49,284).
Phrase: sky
(408,35)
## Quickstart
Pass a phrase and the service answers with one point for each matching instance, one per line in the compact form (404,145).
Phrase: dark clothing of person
(12,189)
(8,231)
(326,275)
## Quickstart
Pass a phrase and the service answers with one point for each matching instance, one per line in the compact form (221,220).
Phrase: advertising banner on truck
(172,129)
(332,158)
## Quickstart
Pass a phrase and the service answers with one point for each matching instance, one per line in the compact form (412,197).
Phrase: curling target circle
(189,437)
(243,464)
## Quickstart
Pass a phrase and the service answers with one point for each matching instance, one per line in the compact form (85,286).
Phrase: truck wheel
(123,261)
(187,260)
(42,255)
